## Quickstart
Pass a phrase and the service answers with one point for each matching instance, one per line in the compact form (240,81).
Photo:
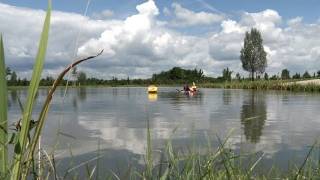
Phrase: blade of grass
(254,165)
(46,106)
(305,160)
(149,152)
(3,113)
(32,90)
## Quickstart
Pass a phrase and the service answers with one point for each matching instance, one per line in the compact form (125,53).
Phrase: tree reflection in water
(253,115)
(226,96)
(79,95)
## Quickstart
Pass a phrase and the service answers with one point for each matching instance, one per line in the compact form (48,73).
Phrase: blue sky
(287,8)
(142,37)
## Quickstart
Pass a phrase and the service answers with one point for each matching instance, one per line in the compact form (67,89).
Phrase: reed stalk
(3,114)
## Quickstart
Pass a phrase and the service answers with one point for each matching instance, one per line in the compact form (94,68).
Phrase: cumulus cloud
(186,17)
(21,28)
(105,14)
(291,47)
(141,44)
(141,41)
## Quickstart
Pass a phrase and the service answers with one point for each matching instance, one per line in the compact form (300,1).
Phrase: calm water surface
(281,125)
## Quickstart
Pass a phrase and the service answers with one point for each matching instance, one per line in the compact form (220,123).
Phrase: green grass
(21,145)
(265,85)
(219,163)
(3,114)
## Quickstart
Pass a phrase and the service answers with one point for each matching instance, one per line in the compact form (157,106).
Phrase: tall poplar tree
(252,55)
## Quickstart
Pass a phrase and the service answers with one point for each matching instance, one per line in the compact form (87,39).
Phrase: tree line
(176,75)
(283,75)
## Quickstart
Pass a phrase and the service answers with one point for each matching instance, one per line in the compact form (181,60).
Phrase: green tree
(8,71)
(48,81)
(13,78)
(318,74)
(285,74)
(82,77)
(226,74)
(296,76)
(128,80)
(238,77)
(74,75)
(266,76)
(176,73)
(274,77)
(252,55)
(306,75)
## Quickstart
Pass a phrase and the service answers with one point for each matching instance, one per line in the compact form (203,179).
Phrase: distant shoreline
(310,85)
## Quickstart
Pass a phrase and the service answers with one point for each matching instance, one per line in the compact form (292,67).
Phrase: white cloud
(186,17)
(295,21)
(105,14)
(141,45)
(141,41)
(166,11)
(291,47)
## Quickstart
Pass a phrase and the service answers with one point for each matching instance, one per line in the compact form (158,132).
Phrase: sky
(143,37)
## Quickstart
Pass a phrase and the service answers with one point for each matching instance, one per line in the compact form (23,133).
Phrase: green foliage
(306,75)
(48,81)
(252,55)
(32,90)
(285,74)
(8,71)
(238,77)
(13,79)
(82,78)
(3,114)
(296,76)
(274,77)
(266,85)
(266,76)
(220,163)
(178,75)
(226,74)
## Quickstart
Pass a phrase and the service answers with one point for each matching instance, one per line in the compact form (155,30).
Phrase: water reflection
(178,99)
(271,122)
(152,97)
(253,115)
(79,95)
(82,93)
(14,95)
(226,96)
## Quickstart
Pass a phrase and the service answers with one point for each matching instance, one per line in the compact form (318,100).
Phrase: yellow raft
(152,89)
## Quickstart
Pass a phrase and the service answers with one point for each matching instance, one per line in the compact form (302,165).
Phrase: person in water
(186,88)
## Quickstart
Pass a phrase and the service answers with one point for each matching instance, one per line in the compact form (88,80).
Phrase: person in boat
(186,88)
(194,87)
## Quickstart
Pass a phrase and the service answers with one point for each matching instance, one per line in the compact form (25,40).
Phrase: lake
(111,123)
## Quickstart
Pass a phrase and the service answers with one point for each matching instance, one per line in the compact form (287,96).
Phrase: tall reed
(21,145)
(3,114)
(25,141)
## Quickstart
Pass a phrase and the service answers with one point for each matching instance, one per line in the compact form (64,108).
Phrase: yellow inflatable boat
(152,89)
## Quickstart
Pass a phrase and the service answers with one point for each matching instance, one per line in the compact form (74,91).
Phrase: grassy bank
(266,85)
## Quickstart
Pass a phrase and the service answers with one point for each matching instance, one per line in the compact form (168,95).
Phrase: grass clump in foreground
(266,85)
(221,163)
(24,139)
